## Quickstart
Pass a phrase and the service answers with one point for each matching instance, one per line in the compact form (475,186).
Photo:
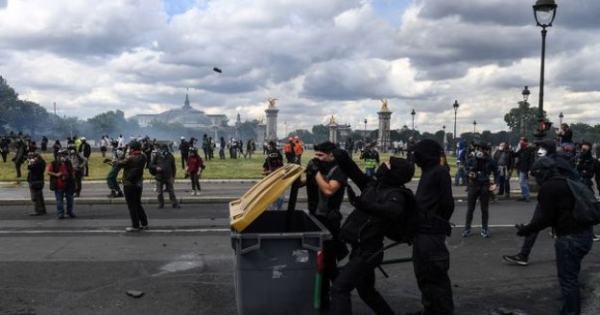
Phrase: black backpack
(404,229)
(587,207)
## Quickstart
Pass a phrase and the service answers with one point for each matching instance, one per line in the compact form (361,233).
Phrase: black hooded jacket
(381,203)
(434,199)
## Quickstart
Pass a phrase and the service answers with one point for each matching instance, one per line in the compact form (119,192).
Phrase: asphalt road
(184,264)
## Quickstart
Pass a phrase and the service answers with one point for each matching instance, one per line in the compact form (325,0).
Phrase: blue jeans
(370,172)
(61,195)
(570,250)
(461,175)
(524,183)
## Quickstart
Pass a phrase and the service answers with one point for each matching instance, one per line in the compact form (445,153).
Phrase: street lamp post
(544,12)
(413,113)
(444,139)
(560,118)
(474,126)
(525,94)
(365,128)
(455,105)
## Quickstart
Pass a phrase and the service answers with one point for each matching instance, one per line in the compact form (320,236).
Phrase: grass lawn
(215,169)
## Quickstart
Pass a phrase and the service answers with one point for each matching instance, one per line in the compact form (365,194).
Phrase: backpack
(404,229)
(587,207)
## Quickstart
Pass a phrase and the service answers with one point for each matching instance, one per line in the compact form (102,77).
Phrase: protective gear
(544,169)
(541,152)
(427,153)
(479,154)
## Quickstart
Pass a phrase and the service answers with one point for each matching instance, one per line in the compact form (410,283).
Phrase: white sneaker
(131,229)
(193,193)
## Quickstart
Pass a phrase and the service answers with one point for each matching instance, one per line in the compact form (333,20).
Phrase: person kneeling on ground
(556,205)
(382,202)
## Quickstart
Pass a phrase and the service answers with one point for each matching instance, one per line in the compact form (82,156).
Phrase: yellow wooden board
(243,211)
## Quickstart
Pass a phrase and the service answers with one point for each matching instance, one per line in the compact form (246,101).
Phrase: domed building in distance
(186,116)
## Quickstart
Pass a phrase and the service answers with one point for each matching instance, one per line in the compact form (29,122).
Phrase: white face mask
(479,154)
(542,152)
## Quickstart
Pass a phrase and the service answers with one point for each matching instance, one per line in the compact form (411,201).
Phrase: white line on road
(166,231)
(113,231)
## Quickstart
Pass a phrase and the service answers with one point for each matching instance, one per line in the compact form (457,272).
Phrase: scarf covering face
(400,173)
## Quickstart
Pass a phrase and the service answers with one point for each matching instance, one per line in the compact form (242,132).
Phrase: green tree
(523,120)
(108,123)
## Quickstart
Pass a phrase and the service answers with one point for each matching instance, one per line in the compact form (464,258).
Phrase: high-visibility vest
(299,148)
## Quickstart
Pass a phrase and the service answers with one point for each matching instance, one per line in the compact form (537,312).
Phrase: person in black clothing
(184,148)
(35,178)
(574,239)
(479,168)
(163,167)
(525,156)
(20,156)
(222,146)
(4,147)
(382,201)
(504,159)
(545,149)
(133,179)
(332,182)
(588,167)
(62,182)
(435,205)
(55,148)
(44,144)
(86,150)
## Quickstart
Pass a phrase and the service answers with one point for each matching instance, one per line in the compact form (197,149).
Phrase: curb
(184,201)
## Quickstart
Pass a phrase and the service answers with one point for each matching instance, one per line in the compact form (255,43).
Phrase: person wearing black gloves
(435,205)
(547,149)
(479,168)
(163,166)
(382,201)
(36,166)
(86,150)
(331,182)
(133,183)
(574,239)
(588,167)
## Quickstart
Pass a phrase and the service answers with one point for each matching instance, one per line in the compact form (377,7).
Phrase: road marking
(164,231)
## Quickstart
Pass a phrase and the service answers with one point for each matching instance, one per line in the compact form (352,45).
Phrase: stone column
(385,115)
(333,130)
(261,130)
(271,123)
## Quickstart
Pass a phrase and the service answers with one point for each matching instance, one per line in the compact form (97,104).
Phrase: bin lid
(243,211)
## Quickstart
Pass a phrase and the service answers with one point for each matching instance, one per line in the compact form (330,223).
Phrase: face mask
(542,152)
(502,147)
(63,159)
(479,154)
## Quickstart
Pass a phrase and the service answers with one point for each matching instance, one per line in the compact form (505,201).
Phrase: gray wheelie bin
(275,251)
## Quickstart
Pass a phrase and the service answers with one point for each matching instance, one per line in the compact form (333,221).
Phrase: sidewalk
(213,191)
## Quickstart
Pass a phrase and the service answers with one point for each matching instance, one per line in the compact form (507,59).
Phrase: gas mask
(479,154)
(544,169)
(541,152)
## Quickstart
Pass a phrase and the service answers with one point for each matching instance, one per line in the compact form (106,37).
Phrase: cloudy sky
(317,57)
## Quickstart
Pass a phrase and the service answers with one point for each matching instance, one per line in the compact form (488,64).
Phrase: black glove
(313,167)
(354,199)
(521,231)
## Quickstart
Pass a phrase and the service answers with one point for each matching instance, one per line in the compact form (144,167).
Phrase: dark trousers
(167,185)
(359,274)
(331,249)
(37,196)
(222,154)
(4,155)
(504,185)
(528,242)
(431,261)
(78,176)
(570,251)
(195,178)
(18,168)
(133,196)
(61,196)
(86,169)
(481,192)
(184,158)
